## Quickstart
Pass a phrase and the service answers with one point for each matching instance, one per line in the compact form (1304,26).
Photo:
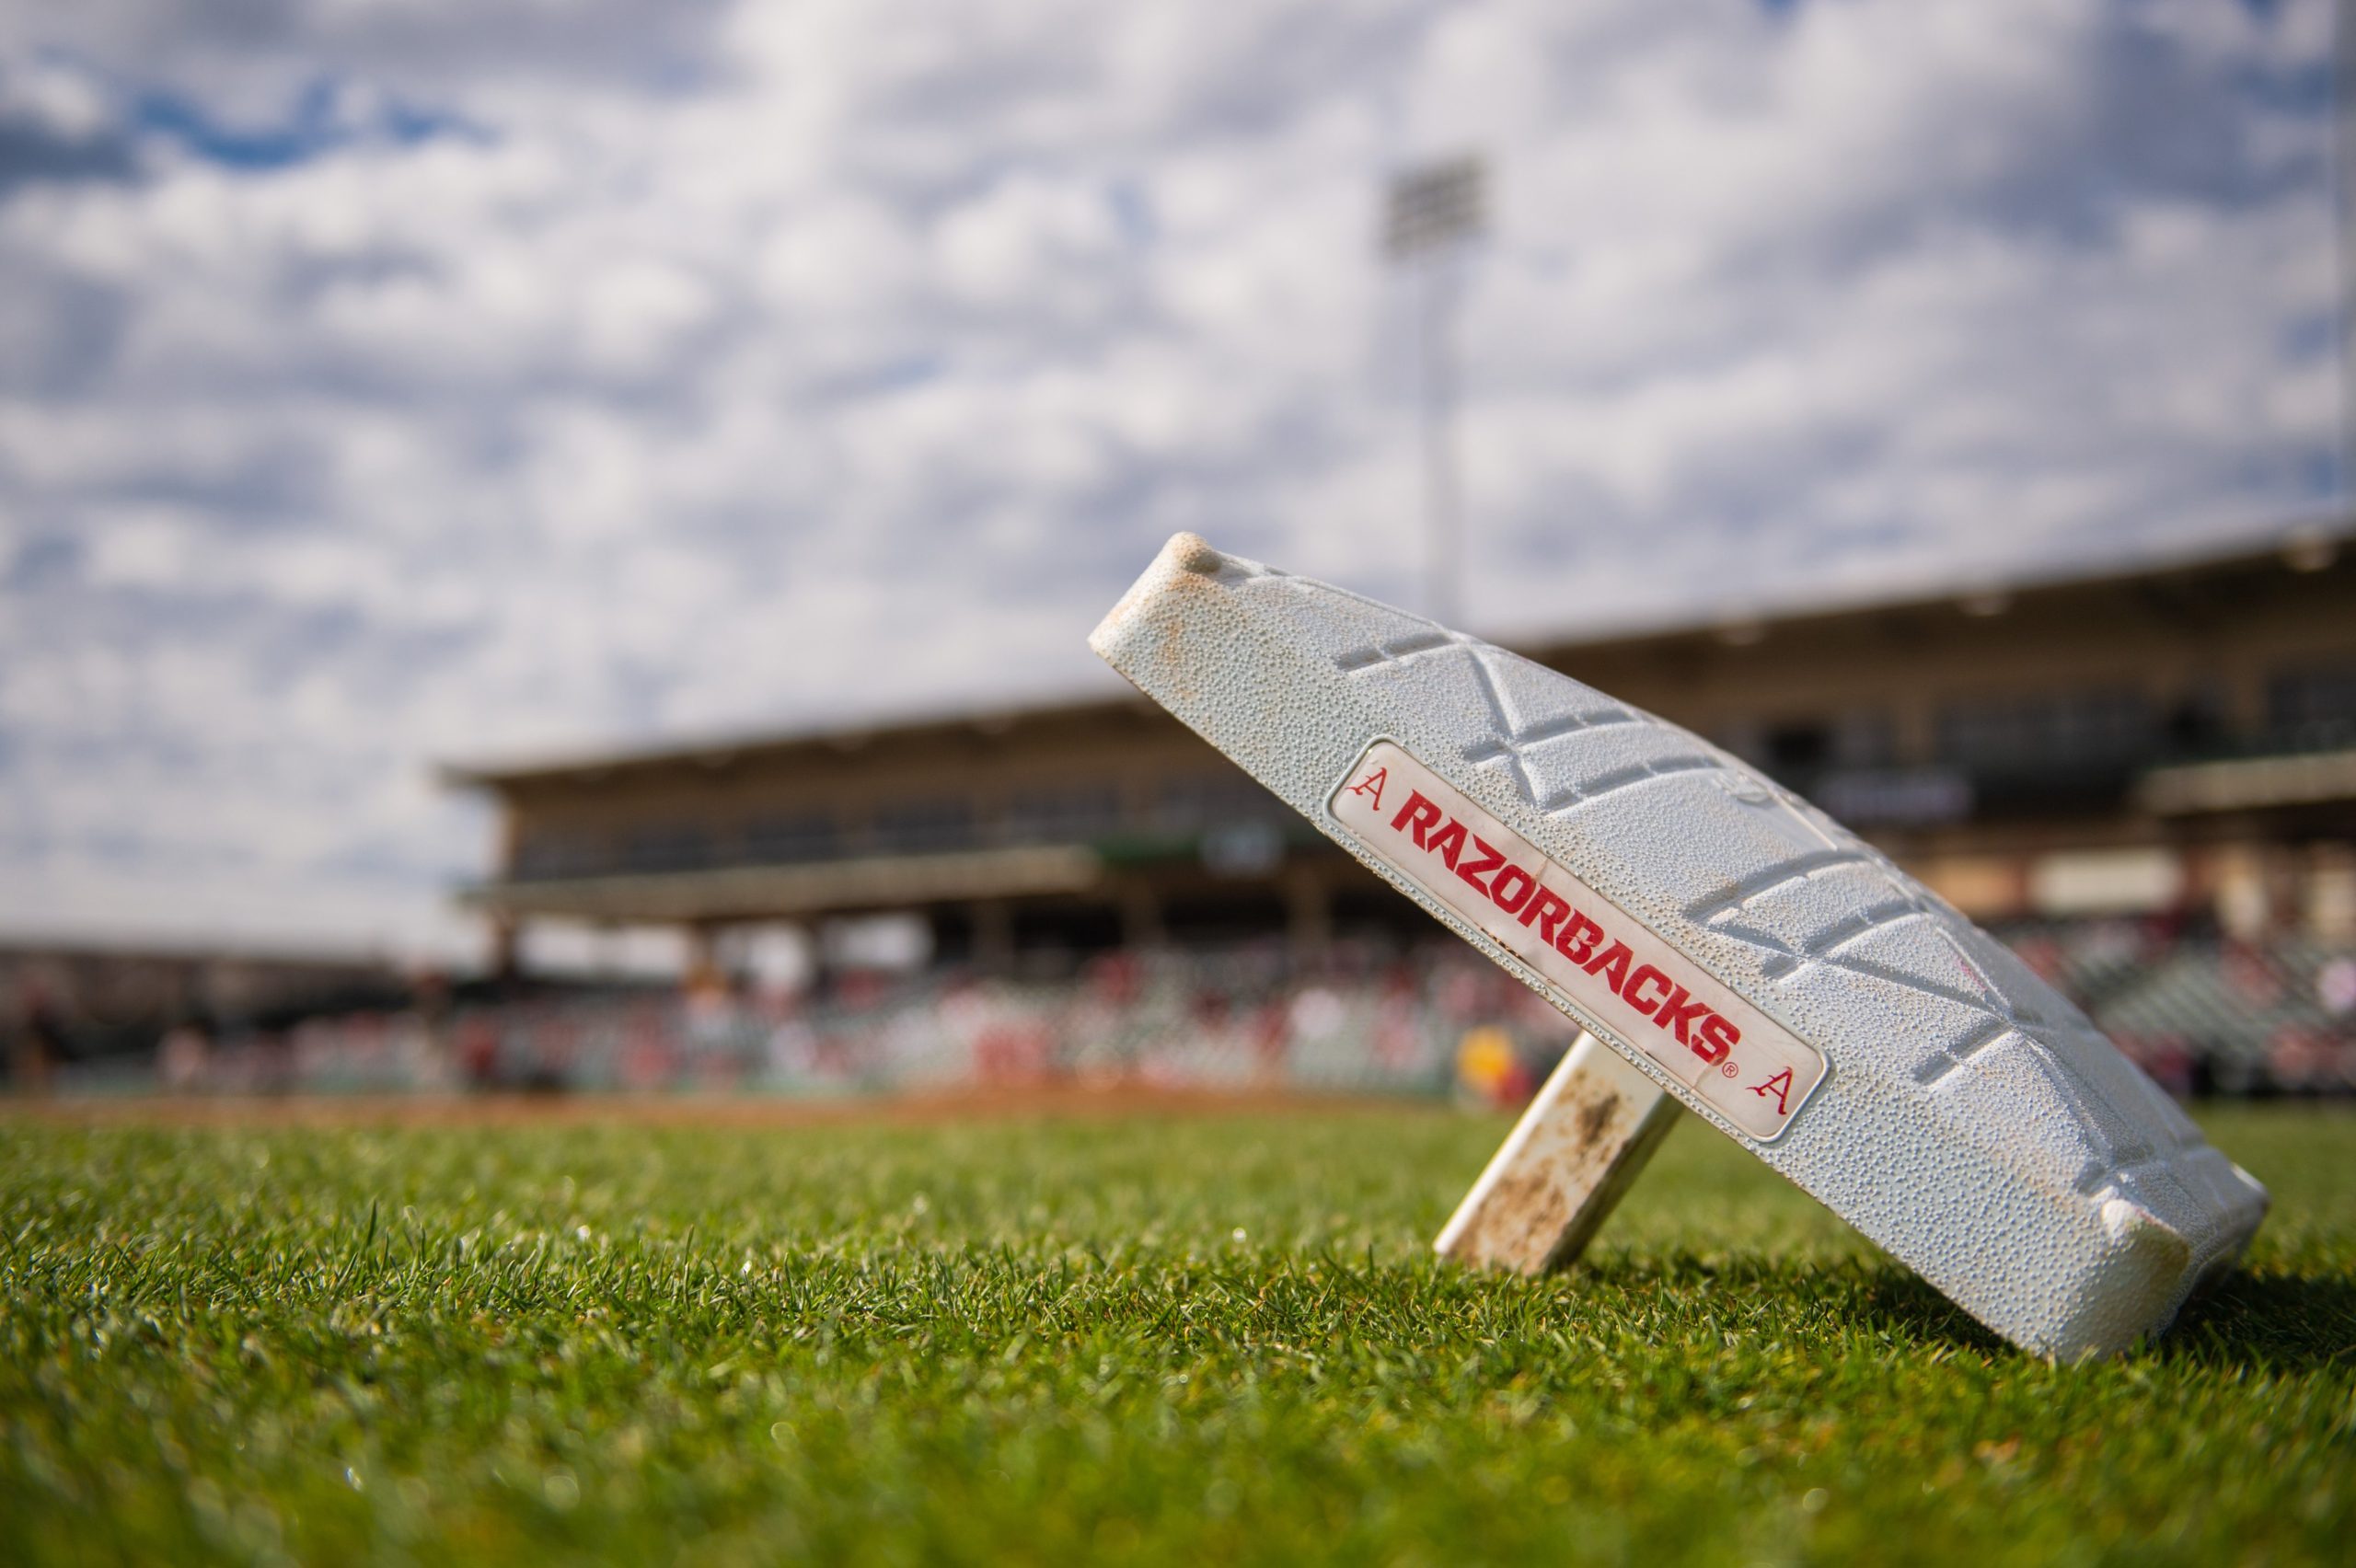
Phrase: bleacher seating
(2203,1013)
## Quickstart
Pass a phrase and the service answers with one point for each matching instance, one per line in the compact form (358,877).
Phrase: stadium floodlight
(1742,952)
(1433,207)
(1434,212)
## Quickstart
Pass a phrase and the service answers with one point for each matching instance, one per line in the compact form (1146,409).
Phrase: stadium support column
(703,954)
(2330,894)
(503,957)
(1309,912)
(1141,917)
(993,927)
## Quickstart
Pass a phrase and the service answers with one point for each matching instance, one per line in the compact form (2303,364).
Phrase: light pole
(1433,213)
(2343,213)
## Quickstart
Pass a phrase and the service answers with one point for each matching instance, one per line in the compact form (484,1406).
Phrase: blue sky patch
(317,123)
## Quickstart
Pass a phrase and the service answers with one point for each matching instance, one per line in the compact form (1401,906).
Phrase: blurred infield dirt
(993,1104)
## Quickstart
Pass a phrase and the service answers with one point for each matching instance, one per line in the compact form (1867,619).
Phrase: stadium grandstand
(2176,743)
(2145,781)
(100,1013)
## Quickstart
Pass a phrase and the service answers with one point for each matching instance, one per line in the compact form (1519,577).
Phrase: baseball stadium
(1107,1110)
(1892,1100)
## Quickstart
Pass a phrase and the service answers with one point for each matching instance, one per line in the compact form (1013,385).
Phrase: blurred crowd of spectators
(1239,1020)
(2202,1014)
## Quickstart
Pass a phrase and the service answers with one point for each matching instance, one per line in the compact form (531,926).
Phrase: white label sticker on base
(1605,968)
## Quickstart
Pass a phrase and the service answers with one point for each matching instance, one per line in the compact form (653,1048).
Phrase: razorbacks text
(1645,991)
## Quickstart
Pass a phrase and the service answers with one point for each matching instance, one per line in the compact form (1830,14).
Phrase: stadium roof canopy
(2202,587)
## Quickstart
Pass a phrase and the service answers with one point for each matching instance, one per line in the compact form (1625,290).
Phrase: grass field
(1195,1340)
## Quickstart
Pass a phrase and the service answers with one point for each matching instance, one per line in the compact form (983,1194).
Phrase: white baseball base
(1741,951)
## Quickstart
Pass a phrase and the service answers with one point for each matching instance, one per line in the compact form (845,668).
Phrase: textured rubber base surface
(1970,1119)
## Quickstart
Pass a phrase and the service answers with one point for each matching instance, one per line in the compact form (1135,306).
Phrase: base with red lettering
(1744,953)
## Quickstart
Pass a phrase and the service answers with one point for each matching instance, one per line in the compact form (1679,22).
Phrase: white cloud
(431,383)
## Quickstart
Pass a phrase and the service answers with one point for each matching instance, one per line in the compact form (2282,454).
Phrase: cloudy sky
(387,381)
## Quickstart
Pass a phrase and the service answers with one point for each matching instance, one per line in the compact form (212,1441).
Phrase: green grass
(1190,1342)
